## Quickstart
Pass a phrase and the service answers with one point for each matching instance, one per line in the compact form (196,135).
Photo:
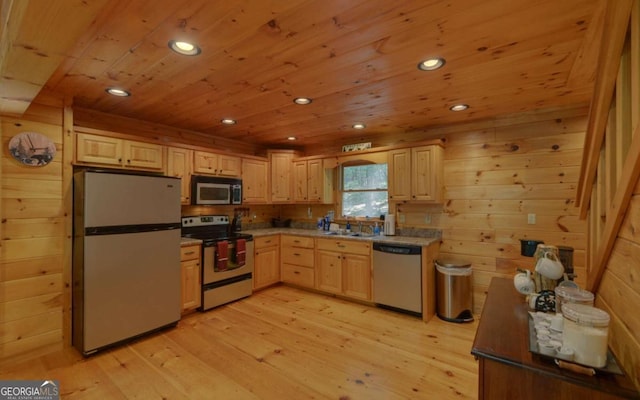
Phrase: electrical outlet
(531,219)
(401,218)
(427,219)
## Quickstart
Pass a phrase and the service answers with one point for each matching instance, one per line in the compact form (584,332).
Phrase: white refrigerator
(126,257)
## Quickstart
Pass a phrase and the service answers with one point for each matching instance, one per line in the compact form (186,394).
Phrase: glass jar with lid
(586,331)
(569,294)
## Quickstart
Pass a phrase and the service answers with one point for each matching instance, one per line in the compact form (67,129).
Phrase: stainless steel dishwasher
(397,276)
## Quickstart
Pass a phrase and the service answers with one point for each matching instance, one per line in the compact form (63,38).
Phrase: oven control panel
(204,220)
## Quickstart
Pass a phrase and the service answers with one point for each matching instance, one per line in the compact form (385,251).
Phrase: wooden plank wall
(619,292)
(494,177)
(32,243)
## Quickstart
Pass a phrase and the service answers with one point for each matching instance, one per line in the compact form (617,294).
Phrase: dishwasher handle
(397,248)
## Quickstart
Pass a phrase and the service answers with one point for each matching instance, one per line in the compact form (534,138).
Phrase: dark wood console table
(508,370)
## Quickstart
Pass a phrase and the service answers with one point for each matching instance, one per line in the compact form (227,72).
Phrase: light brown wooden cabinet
(191,286)
(312,183)
(281,177)
(424,165)
(300,192)
(297,260)
(344,267)
(266,270)
(118,153)
(216,164)
(254,181)
(179,163)
(399,171)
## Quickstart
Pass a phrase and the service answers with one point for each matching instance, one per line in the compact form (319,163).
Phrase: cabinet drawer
(297,256)
(297,275)
(189,253)
(345,246)
(297,241)
(266,241)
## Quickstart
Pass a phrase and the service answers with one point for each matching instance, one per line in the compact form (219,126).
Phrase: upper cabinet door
(426,174)
(205,163)
(281,177)
(143,155)
(300,181)
(400,174)
(254,181)
(94,149)
(314,180)
(229,166)
(179,163)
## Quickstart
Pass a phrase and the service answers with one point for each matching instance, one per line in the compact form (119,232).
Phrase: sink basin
(361,234)
(353,234)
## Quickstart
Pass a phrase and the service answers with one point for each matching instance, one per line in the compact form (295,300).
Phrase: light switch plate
(531,219)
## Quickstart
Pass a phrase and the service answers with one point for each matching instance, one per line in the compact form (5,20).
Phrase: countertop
(410,240)
(189,242)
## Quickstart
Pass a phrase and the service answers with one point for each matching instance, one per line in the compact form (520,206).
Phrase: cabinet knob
(296,272)
(296,254)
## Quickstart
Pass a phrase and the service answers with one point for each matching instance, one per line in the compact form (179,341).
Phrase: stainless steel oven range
(227,259)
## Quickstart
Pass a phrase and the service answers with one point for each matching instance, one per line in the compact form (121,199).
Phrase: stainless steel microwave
(212,190)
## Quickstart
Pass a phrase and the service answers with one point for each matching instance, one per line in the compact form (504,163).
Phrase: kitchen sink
(354,234)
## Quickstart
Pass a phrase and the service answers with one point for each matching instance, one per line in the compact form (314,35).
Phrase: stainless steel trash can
(453,290)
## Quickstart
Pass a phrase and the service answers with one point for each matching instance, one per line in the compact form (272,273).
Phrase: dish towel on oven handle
(223,255)
(241,252)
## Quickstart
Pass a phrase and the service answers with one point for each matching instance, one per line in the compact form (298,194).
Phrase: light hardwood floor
(280,343)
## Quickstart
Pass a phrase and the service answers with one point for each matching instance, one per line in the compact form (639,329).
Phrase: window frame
(341,190)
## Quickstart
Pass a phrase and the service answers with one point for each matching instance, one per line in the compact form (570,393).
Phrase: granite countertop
(189,241)
(411,240)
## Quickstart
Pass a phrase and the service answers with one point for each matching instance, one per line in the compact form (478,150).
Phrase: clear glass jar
(567,294)
(586,331)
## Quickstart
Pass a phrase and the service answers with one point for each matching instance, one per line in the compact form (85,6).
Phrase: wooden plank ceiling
(356,59)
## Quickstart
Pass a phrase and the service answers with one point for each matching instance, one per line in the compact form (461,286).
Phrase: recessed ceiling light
(184,48)
(228,121)
(302,100)
(431,64)
(459,107)
(117,92)
(292,138)
(358,126)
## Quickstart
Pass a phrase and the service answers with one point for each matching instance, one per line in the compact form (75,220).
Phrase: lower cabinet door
(357,276)
(266,267)
(329,272)
(190,284)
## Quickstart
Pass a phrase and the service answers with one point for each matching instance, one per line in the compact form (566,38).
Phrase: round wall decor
(32,148)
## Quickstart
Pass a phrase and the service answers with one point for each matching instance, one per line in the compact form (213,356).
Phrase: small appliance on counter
(390,225)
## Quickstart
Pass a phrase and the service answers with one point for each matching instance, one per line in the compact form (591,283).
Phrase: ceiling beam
(35,37)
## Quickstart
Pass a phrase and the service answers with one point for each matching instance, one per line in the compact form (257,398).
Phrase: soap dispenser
(376,230)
